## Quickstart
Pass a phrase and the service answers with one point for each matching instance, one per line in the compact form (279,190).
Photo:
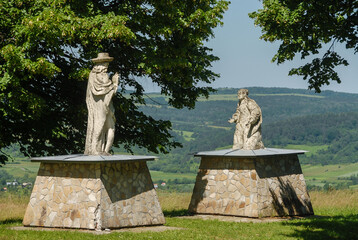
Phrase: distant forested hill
(290,116)
(276,104)
(338,131)
(325,124)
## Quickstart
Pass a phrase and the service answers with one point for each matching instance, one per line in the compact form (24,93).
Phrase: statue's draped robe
(248,137)
(100,91)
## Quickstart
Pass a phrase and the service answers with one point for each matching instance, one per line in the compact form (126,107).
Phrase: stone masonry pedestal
(93,192)
(251,183)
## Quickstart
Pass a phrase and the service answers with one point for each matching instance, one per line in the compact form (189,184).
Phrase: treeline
(339,131)
(277,104)
(342,183)
(290,116)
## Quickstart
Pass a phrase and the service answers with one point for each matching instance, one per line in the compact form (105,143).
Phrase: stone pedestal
(93,192)
(251,183)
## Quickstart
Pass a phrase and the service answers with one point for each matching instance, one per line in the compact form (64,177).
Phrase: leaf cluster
(45,52)
(304,27)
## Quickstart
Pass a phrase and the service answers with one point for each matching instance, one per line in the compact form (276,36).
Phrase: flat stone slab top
(249,153)
(81,158)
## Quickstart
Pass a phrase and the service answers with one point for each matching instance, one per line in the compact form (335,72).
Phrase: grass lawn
(338,219)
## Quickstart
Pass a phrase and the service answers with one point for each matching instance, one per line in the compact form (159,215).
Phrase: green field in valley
(18,168)
(310,148)
(319,175)
(158,175)
(314,174)
(186,134)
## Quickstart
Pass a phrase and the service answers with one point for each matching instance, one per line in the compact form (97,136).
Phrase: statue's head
(242,93)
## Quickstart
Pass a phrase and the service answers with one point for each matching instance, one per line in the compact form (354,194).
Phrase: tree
(45,52)
(304,27)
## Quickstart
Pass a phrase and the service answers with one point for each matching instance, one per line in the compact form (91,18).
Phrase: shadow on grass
(336,227)
(11,220)
(177,213)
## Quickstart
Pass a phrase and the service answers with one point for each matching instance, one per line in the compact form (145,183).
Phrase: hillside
(324,124)
(337,131)
(291,116)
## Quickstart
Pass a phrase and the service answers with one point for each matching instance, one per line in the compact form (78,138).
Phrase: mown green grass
(337,210)
(336,227)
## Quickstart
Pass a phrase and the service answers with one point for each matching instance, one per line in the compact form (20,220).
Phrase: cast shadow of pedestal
(283,172)
(129,184)
(198,191)
(324,227)
(290,203)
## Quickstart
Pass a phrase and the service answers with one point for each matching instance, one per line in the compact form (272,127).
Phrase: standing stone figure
(101,119)
(248,119)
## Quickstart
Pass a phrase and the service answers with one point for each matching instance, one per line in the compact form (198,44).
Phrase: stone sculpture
(248,119)
(101,119)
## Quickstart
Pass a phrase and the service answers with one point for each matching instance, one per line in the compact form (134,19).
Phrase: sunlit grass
(12,207)
(338,219)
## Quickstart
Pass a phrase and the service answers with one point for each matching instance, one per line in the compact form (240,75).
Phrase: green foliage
(329,135)
(45,52)
(338,131)
(304,27)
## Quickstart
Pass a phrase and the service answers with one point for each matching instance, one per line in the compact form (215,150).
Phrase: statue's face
(102,65)
(241,95)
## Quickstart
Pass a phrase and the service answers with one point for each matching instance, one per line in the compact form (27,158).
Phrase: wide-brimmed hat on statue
(102,57)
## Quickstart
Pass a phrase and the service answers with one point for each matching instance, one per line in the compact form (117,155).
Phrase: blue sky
(245,60)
